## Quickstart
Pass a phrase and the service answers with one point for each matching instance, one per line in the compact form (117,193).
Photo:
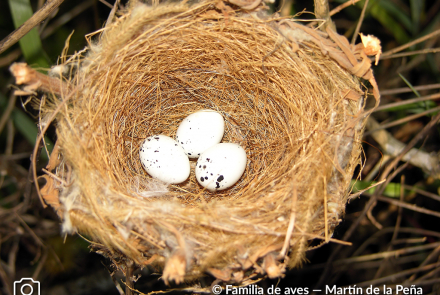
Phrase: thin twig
(405,205)
(387,230)
(33,21)
(407,101)
(338,248)
(10,57)
(65,18)
(12,157)
(403,120)
(31,232)
(40,265)
(342,264)
(422,192)
(106,4)
(371,217)
(413,63)
(359,24)
(368,208)
(56,178)
(10,138)
(386,254)
(415,52)
(391,146)
(434,255)
(112,275)
(5,279)
(407,45)
(382,188)
(419,284)
(407,89)
(28,188)
(342,6)
(8,151)
(341,268)
(366,189)
(409,241)
(9,199)
(12,257)
(7,112)
(428,275)
(112,13)
(395,233)
(373,172)
(387,171)
(395,276)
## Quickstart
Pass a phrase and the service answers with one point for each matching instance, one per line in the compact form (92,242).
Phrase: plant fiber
(289,97)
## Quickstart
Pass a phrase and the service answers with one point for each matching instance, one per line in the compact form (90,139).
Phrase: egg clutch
(219,165)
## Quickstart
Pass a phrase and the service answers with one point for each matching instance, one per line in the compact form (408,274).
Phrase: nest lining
(285,105)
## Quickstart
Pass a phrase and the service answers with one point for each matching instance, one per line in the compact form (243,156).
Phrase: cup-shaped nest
(290,96)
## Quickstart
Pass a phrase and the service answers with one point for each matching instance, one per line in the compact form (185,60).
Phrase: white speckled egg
(199,131)
(221,166)
(164,159)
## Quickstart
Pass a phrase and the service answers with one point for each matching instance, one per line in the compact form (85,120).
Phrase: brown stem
(129,278)
(342,6)
(391,146)
(8,111)
(407,45)
(406,101)
(409,146)
(322,11)
(359,24)
(403,120)
(34,80)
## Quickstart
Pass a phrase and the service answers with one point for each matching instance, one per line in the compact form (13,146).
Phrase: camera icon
(26,286)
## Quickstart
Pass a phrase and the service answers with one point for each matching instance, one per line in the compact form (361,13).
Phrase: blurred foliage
(26,126)
(30,44)
(60,259)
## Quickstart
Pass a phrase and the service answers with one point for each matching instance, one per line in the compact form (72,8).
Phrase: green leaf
(425,105)
(417,8)
(414,107)
(398,13)
(379,12)
(429,28)
(30,44)
(409,85)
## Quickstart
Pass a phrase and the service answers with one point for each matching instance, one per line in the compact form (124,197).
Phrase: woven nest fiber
(290,95)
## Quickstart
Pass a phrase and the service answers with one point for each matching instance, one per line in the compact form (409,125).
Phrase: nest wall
(295,110)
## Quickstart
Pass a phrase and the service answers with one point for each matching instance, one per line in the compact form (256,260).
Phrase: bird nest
(291,97)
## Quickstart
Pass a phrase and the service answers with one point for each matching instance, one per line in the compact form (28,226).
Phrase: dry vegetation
(392,228)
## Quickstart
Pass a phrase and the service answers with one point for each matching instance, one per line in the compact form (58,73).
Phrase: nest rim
(174,245)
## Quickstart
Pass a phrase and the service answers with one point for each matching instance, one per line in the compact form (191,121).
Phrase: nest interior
(294,108)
